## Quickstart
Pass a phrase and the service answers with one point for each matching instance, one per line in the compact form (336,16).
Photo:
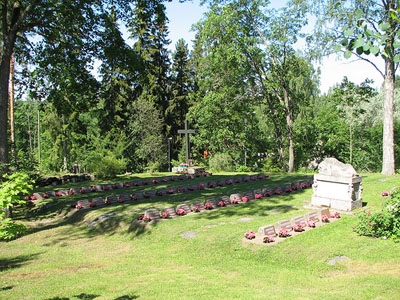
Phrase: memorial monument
(337,185)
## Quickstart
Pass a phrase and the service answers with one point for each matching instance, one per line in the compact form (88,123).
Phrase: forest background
(85,98)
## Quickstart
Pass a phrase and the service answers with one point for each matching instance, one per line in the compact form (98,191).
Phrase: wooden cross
(186,131)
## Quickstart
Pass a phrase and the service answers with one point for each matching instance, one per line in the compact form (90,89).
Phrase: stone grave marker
(235,197)
(313,216)
(85,189)
(245,179)
(299,220)
(110,199)
(253,177)
(225,199)
(249,194)
(170,210)
(161,192)
(213,202)
(118,185)
(284,224)
(63,192)
(74,191)
(107,187)
(277,190)
(171,190)
(324,212)
(237,180)
(185,207)
(125,197)
(192,187)
(199,204)
(337,185)
(99,201)
(139,195)
(98,188)
(182,189)
(268,230)
(211,184)
(38,196)
(51,194)
(266,191)
(154,214)
(84,203)
(220,183)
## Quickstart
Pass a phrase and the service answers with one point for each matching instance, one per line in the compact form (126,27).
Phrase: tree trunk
(388,162)
(4,80)
(289,123)
(11,91)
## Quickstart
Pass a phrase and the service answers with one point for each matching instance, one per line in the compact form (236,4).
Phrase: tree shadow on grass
(84,296)
(122,215)
(16,262)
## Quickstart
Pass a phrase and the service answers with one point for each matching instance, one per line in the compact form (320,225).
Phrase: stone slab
(268,230)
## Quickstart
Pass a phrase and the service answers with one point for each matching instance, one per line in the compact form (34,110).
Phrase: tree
(180,87)
(43,19)
(368,27)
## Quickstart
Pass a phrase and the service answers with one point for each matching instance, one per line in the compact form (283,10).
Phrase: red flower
(78,206)
(245,199)
(245,179)
(310,223)
(82,191)
(165,180)
(208,205)
(165,215)
(45,196)
(236,181)
(288,190)
(221,203)
(140,217)
(267,194)
(33,197)
(121,200)
(170,191)
(93,189)
(268,239)
(136,184)
(127,185)
(253,177)
(235,201)
(298,227)
(201,186)
(277,192)
(146,219)
(196,208)
(190,188)
(58,194)
(325,219)
(228,182)
(284,233)
(258,196)
(133,197)
(250,235)
(92,204)
(181,212)
(154,181)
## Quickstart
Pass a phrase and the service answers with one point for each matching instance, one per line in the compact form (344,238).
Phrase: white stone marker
(337,186)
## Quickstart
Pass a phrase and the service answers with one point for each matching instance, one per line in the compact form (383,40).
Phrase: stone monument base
(338,192)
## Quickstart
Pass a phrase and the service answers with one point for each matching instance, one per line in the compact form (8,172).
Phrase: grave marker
(187,131)
(111,199)
(313,216)
(170,210)
(284,224)
(324,212)
(83,203)
(154,214)
(185,207)
(299,220)
(268,230)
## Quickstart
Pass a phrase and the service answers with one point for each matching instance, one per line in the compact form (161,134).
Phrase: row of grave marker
(256,194)
(285,228)
(108,187)
(198,206)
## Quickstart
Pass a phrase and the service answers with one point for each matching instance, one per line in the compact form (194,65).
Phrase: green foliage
(12,190)
(386,223)
(107,166)
(221,162)
(10,230)
(270,165)
(242,168)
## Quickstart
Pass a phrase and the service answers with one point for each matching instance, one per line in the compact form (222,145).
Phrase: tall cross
(186,131)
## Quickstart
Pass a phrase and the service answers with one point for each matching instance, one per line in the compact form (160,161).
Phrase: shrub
(386,223)
(10,230)
(107,166)
(221,162)
(242,169)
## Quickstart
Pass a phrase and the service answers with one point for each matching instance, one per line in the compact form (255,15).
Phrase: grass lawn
(65,259)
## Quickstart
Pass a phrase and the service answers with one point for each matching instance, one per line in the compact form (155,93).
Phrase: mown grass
(64,259)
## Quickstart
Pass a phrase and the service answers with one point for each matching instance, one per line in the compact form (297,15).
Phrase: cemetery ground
(63,258)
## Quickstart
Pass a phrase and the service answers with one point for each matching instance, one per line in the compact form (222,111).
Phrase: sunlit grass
(65,259)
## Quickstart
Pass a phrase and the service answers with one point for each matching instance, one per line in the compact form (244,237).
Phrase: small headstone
(211,184)
(161,192)
(98,188)
(182,189)
(111,199)
(118,185)
(74,191)
(199,204)
(192,187)
(85,189)
(63,192)
(124,197)
(245,219)
(333,261)
(38,196)
(83,203)
(99,201)
(236,197)
(284,224)
(299,220)
(188,234)
(249,195)
(225,199)
(107,187)
(51,194)
(313,216)
(139,195)
(106,217)
(245,179)
(213,202)
(154,214)
(268,230)
(185,207)
(324,212)
(170,210)
(275,211)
